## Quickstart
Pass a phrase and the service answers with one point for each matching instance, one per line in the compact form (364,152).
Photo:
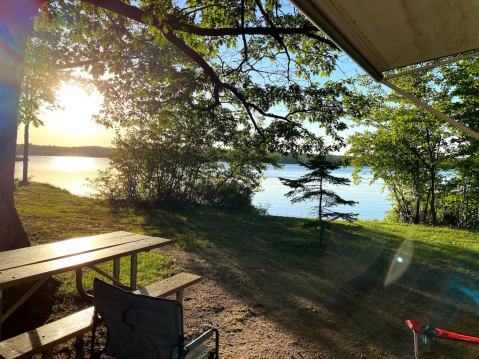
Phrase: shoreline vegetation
(247,261)
(101,152)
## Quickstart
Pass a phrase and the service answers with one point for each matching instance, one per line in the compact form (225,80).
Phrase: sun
(73,96)
(78,108)
(72,125)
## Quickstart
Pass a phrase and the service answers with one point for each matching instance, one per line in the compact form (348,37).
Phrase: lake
(70,173)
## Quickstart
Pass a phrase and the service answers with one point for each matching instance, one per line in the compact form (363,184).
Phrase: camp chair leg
(47,354)
(416,346)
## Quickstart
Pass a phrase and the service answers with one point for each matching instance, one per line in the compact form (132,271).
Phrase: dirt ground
(272,311)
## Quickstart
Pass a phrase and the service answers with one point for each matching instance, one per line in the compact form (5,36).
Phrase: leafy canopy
(261,61)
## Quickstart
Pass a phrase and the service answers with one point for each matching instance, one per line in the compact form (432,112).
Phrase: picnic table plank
(66,248)
(28,273)
(170,285)
(32,342)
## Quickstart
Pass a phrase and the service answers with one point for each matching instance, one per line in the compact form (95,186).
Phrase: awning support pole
(431,109)
(455,59)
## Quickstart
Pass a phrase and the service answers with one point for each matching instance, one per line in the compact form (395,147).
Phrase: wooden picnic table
(41,262)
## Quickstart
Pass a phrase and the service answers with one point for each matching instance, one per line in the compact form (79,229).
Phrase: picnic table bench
(41,262)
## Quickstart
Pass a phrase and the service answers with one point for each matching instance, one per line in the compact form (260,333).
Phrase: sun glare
(72,164)
(72,96)
(73,246)
(79,107)
(73,125)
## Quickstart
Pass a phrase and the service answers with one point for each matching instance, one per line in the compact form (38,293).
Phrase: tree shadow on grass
(334,299)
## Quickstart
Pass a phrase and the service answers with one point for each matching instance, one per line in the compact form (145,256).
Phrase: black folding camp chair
(144,327)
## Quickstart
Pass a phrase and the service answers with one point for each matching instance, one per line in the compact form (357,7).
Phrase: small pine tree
(312,187)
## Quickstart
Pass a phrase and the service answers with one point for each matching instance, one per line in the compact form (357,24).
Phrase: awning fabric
(382,35)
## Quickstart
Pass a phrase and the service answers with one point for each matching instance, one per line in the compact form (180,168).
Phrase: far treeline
(98,151)
(83,151)
(305,158)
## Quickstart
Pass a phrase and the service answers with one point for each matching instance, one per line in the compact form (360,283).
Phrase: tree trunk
(418,210)
(25,154)
(424,215)
(320,214)
(433,195)
(15,20)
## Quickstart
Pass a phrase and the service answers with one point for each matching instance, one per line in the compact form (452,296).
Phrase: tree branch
(168,27)
(278,38)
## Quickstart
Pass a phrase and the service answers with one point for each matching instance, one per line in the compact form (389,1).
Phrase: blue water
(70,173)
(372,204)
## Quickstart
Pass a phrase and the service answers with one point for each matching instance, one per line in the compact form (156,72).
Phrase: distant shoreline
(101,152)
(82,151)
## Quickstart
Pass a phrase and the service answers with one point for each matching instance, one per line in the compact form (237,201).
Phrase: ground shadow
(333,299)
(37,308)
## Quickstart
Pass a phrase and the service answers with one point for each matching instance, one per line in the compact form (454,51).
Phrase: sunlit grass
(151,267)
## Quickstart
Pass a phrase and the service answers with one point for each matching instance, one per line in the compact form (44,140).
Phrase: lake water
(70,173)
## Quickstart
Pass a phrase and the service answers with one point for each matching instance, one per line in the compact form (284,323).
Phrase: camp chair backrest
(139,327)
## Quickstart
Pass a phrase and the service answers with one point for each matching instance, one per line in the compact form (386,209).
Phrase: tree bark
(433,195)
(320,215)
(15,18)
(25,153)
(424,215)
(418,210)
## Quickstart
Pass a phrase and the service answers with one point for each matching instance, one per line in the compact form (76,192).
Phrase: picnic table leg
(179,296)
(79,347)
(134,267)
(79,276)
(116,268)
(19,302)
(47,354)
(1,309)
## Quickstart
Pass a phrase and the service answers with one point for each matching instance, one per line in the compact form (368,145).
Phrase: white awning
(382,35)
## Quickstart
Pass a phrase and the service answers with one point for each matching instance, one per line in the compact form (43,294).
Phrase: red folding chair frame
(429,331)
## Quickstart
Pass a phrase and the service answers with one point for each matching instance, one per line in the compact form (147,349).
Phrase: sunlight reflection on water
(69,173)
(73,164)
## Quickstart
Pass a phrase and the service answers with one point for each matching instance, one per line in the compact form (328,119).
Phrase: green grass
(50,214)
(276,261)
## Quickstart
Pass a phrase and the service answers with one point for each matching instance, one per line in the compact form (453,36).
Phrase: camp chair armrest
(202,338)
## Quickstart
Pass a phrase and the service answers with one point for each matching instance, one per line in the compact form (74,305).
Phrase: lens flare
(400,262)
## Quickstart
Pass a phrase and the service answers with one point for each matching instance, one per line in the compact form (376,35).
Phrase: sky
(73,126)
